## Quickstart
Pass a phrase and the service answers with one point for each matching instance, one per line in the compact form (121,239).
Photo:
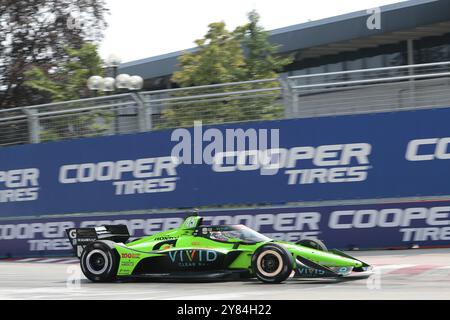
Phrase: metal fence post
(144,113)
(33,125)
(289,97)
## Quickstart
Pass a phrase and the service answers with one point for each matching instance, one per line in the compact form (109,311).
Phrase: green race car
(204,252)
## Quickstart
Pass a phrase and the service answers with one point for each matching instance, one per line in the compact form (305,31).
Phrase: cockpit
(231,233)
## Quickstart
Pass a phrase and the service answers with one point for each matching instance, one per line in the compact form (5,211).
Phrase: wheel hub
(97,262)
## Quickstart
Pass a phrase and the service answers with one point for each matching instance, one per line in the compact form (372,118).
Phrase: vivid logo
(184,256)
(310,272)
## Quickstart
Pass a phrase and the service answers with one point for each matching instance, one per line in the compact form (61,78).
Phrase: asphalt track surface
(409,274)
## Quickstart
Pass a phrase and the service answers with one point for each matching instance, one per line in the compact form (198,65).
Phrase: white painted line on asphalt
(70,261)
(50,260)
(28,260)
(445,267)
(390,267)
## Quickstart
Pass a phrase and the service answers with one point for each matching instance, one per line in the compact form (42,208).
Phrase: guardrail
(334,93)
(371,90)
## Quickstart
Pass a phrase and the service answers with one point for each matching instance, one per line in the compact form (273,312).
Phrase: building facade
(411,32)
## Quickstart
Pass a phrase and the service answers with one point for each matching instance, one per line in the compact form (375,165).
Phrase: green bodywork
(186,239)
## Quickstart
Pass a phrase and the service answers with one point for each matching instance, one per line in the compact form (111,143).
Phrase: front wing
(306,268)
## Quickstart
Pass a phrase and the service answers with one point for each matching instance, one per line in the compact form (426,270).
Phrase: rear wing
(81,237)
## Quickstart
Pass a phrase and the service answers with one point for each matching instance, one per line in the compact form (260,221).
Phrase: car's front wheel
(99,262)
(272,263)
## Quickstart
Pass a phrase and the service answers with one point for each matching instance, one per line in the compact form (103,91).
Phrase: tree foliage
(37,33)
(261,60)
(219,58)
(224,56)
(67,81)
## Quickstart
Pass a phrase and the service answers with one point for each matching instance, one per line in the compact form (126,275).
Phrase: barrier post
(289,97)
(33,125)
(144,114)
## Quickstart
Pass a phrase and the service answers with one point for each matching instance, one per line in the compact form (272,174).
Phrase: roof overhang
(412,19)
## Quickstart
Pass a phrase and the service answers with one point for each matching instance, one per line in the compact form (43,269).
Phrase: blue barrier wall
(348,157)
(362,226)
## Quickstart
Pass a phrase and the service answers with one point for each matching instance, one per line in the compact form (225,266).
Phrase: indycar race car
(205,252)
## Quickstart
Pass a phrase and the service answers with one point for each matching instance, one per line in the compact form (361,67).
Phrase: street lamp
(95,83)
(113,61)
(136,83)
(123,81)
(108,84)
(115,83)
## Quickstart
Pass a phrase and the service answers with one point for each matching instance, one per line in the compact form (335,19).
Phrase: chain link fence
(214,104)
(14,127)
(370,90)
(336,93)
(107,115)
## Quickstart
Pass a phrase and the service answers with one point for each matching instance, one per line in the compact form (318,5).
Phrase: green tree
(37,33)
(222,57)
(218,58)
(66,81)
(262,61)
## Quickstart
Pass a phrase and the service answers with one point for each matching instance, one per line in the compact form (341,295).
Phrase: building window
(335,67)
(317,70)
(356,64)
(432,49)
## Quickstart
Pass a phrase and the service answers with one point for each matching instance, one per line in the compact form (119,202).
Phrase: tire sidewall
(110,272)
(286,260)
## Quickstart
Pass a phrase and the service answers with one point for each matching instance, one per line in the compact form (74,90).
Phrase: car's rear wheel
(313,244)
(272,263)
(99,262)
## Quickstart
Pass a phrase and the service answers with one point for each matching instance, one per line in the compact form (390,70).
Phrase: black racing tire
(313,244)
(272,263)
(99,262)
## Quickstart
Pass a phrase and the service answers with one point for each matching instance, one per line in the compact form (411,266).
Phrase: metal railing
(212,104)
(71,119)
(334,93)
(370,90)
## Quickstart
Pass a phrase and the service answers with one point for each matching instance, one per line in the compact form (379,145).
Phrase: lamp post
(113,61)
(122,82)
(114,83)
(95,84)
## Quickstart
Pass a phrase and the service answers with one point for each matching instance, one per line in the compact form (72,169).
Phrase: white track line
(28,260)
(69,261)
(390,267)
(51,260)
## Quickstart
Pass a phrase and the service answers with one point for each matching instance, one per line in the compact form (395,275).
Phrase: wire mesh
(336,93)
(372,90)
(13,127)
(215,104)
(88,118)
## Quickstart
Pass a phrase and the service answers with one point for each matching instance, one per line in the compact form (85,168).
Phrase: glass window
(375,62)
(439,53)
(395,59)
(335,67)
(372,63)
(317,70)
(432,49)
(355,64)
(301,81)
